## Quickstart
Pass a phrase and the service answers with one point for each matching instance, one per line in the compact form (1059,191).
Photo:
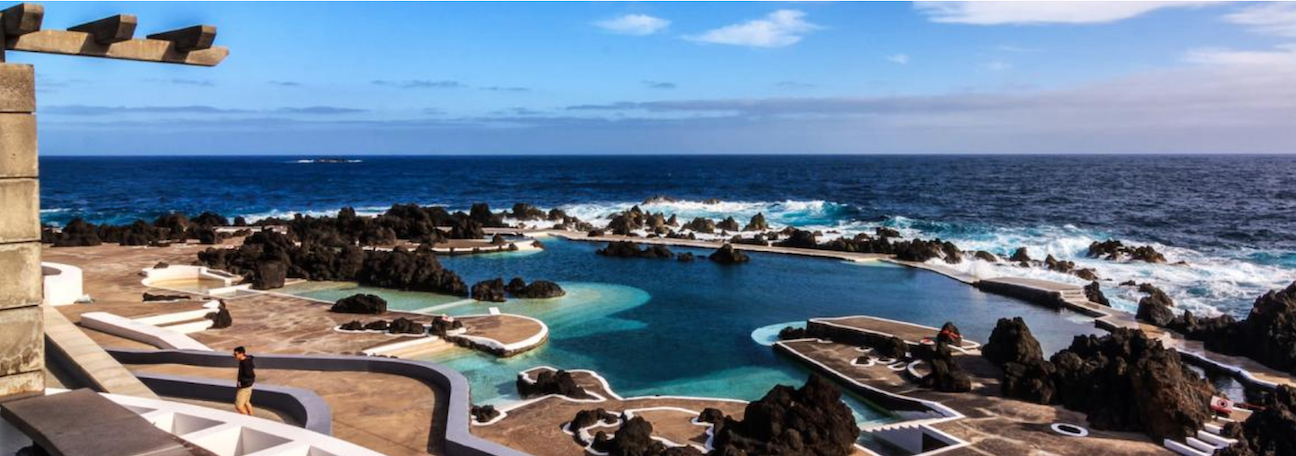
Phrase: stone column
(22,336)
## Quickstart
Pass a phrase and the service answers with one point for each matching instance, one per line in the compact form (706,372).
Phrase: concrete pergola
(22,354)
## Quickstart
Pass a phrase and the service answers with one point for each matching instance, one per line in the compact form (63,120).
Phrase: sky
(308,78)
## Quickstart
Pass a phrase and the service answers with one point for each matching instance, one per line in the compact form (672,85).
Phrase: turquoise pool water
(663,327)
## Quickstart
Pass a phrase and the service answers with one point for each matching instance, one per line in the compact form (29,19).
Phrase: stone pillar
(22,336)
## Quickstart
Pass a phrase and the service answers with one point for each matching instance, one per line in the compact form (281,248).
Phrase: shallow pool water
(670,328)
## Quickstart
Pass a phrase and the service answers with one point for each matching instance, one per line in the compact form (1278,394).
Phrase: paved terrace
(536,426)
(388,413)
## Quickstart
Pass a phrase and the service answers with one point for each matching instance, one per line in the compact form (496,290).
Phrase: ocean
(1230,219)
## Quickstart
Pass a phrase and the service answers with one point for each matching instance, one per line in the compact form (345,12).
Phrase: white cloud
(634,24)
(1279,56)
(901,58)
(1062,12)
(778,29)
(1270,18)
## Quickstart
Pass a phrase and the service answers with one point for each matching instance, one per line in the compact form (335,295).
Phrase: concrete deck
(993,425)
(911,333)
(535,426)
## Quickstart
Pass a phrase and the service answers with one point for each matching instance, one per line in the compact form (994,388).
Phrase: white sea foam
(1209,282)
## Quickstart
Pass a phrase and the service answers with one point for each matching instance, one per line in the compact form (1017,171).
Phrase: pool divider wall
(459,441)
(304,407)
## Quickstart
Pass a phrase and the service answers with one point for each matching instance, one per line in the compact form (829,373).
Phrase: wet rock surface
(489,290)
(627,249)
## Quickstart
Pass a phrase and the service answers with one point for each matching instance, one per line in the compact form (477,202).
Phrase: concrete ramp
(79,355)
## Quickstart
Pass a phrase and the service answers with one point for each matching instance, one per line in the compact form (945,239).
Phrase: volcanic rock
(686,257)
(1020,256)
(884,232)
(551,382)
(711,415)
(360,304)
(986,256)
(269,275)
(221,318)
(353,325)
(1271,430)
(1156,308)
(757,223)
(489,290)
(946,375)
(811,420)
(1011,342)
(77,233)
(800,239)
(791,333)
(404,325)
(727,254)
(483,413)
(701,225)
(1093,291)
(540,289)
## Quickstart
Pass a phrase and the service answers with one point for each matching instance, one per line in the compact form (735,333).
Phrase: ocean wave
(325,160)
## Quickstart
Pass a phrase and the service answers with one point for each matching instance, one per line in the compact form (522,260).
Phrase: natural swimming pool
(670,328)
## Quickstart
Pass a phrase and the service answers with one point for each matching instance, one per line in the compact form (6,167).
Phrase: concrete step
(1213,428)
(1200,445)
(1215,439)
(1184,449)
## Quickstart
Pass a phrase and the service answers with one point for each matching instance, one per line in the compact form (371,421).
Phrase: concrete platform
(81,422)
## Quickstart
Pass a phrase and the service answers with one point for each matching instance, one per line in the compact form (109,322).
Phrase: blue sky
(614,78)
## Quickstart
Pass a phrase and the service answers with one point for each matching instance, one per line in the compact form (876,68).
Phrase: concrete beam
(17,88)
(109,30)
(83,44)
(18,145)
(187,39)
(22,18)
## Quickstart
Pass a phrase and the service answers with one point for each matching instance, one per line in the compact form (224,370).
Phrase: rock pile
(360,304)
(811,420)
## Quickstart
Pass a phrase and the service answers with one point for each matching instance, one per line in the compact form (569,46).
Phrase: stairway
(1205,443)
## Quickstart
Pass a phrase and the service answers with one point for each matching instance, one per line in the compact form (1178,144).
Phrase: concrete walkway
(93,364)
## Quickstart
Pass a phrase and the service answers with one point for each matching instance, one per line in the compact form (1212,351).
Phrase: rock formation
(627,249)
(1027,375)
(483,413)
(489,290)
(800,239)
(1093,291)
(77,233)
(360,304)
(1115,250)
(727,254)
(404,325)
(757,223)
(1020,256)
(1156,308)
(728,224)
(540,289)
(221,318)
(701,225)
(686,257)
(945,375)
(551,382)
(791,333)
(811,420)
(1268,431)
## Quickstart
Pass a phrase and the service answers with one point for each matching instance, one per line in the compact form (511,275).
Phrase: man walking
(246,377)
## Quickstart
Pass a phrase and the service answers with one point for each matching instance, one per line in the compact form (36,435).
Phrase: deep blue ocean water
(1230,218)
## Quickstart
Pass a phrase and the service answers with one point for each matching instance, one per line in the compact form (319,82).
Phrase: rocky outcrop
(353,325)
(540,289)
(711,415)
(1156,308)
(1267,335)
(587,418)
(377,325)
(791,333)
(1125,381)
(884,232)
(634,438)
(1093,291)
(800,239)
(1011,341)
(757,223)
(945,375)
(404,325)
(986,256)
(1271,430)
(483,413)
(627,249)
(489,290)
(360,304)
(1115,250)
(701,225)
(728,224)
(1020,256)
(727,254)
(550,382)
(527,212)
(221,318)
(811,420)
(441,325)
(77,233)
(921,251)
(269,275)
(686,257)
